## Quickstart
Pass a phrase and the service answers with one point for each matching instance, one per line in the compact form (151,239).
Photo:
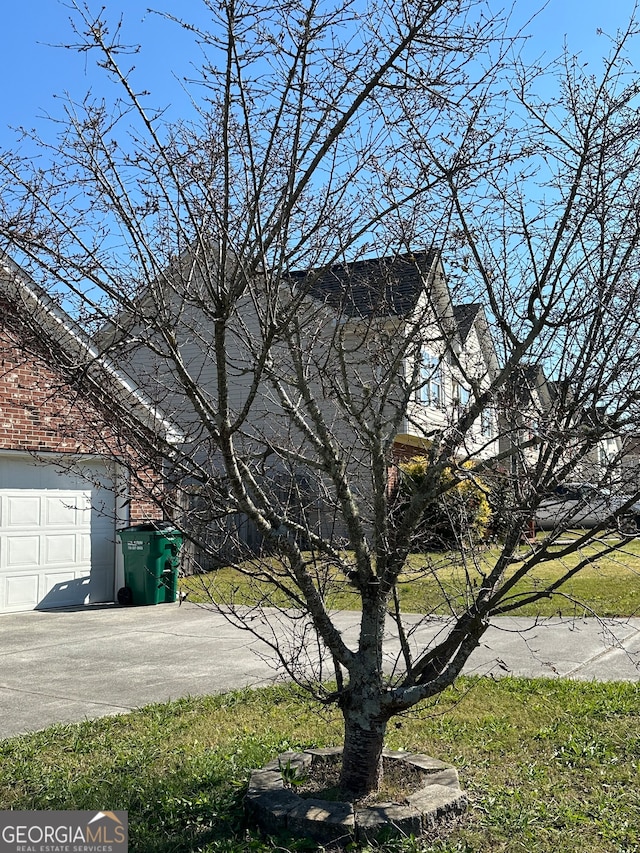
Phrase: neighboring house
(63,493)
(351,316)
(630,462)
(604,462)
(380,341)
(465,365)
(545,430)
(527,403)
(455,356)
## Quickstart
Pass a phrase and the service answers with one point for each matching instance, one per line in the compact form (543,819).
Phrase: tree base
(274,805)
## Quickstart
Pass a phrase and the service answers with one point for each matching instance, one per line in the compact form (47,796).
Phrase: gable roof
(465,315)
(376,287)
(51,326)
(473,316)
(530,387)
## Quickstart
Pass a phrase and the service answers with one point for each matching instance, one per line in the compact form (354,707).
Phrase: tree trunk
(362,753)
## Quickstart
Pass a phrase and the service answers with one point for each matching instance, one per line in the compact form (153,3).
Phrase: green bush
(460,514)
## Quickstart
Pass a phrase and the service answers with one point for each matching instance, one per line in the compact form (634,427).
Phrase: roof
(389,286)
(464,315)
(530,386)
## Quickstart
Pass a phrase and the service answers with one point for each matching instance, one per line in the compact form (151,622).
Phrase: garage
(57,532)
(73,456)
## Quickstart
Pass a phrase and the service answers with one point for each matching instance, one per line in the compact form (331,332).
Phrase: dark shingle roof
(388,286)
(526,380)
(464,315)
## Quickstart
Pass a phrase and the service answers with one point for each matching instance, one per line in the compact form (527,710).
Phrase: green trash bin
(151,557)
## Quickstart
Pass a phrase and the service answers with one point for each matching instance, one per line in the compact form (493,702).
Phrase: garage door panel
(21,591)
(85,547)
(66,512)
(60,589)
(57,535)
(61,548)
(21,550)
(22,511)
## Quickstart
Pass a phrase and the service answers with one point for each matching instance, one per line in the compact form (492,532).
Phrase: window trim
(461,396)
(487,423)
(430,392)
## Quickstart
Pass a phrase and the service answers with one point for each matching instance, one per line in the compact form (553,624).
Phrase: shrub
(459,516)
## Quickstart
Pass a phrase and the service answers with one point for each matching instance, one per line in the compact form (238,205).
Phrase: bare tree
(270,270)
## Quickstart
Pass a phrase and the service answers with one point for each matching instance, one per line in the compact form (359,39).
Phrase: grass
(609,586)
(549,766)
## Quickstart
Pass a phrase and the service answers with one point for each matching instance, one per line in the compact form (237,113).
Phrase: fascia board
(436,299)
(485,338)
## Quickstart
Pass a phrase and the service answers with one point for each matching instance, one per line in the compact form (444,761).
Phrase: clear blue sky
(33,70)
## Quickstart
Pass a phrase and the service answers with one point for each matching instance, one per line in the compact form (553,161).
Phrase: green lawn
(550,766)
(610,586)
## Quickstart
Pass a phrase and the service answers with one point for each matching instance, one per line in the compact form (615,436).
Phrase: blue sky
(34,70)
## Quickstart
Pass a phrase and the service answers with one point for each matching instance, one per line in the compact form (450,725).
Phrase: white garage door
(57,535)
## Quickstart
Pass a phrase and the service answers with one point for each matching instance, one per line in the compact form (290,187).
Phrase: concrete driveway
(70,665)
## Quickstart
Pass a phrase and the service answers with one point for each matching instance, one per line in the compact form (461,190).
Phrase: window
(486,423)
(430,390)
(461,396)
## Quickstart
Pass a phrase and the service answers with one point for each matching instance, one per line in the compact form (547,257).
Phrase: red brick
(40,412)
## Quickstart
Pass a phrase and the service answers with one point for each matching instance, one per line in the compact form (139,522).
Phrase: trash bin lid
(150,527)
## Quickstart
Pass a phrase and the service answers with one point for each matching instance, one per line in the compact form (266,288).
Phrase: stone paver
(337,822)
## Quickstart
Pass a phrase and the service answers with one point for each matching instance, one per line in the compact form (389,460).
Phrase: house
(65,415)
(629,454)
(375,344)
(605,459)
(551,437)
(526,407)
(449,356)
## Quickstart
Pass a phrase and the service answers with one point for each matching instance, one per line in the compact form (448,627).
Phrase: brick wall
(40,412)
